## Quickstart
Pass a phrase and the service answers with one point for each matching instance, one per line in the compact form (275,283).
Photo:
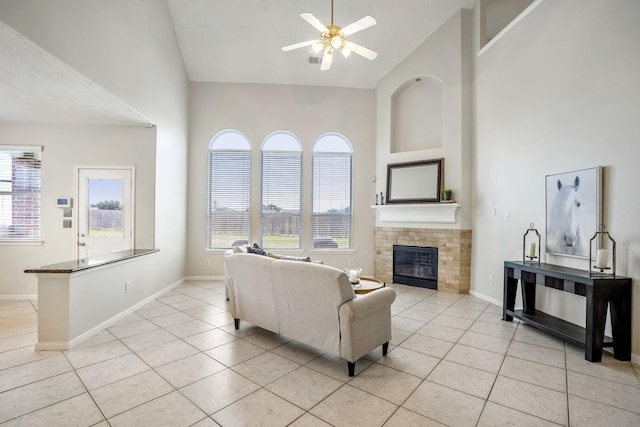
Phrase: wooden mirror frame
(426,172)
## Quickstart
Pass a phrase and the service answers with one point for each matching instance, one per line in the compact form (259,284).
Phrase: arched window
(281,190)
(229,190)
(332,217)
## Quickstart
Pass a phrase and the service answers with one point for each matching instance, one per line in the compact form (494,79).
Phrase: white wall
(65,147)
(306,111)
(129,48)
(445,56)
(559,91)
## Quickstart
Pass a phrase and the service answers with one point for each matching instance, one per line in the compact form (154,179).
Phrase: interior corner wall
(557,92)
(308,112)
(444,55)
(130,48)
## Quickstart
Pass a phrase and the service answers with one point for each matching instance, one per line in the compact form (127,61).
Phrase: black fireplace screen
(415,265)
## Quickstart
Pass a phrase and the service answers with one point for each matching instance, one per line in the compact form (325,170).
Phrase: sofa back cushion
(308,297)
(252,299)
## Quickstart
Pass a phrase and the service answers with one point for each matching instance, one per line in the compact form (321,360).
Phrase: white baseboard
(486,298)
(102,326)
(205,278)
(18,297)
(52,346)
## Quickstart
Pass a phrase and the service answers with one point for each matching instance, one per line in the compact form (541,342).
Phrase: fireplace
(416,266)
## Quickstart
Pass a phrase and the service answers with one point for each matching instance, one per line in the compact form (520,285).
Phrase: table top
(567,273)
(367,284)
(91,262)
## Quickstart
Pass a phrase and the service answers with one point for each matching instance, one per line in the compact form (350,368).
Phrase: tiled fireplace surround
(454,254)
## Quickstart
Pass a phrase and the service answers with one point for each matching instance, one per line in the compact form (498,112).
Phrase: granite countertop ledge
(91,262)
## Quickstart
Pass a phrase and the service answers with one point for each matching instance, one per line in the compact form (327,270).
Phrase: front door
(105,210)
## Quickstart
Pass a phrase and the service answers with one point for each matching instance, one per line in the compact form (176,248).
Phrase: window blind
(332,188)
(20,182)
(281,199)
(229,198)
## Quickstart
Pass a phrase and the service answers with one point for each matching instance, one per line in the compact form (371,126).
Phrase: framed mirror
(414,182)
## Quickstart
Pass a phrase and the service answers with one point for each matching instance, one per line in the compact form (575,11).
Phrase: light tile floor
(179,362)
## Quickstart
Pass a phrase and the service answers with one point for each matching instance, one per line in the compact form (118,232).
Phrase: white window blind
(332,217)
(20,181)
(281,185)
(229,201)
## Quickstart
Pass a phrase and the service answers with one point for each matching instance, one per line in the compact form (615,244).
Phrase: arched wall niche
(417,115)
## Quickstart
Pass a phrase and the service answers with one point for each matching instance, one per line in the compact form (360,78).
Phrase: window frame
(36,151)
(224,147)
(346,152)
(298,152)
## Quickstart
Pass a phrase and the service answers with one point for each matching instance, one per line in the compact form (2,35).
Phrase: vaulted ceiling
(240,41)
(224,41)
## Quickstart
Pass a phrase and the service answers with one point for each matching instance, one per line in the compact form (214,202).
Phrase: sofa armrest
(366,304)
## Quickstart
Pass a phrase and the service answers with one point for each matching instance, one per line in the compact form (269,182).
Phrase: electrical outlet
(127,287)
(350,262)
(491,279)
(207,261)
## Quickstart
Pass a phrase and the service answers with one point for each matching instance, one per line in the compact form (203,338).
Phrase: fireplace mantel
(418,213)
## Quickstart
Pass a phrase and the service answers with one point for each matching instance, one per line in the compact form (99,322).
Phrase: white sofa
(311,303)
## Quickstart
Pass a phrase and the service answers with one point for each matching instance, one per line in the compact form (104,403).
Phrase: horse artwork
(573,211)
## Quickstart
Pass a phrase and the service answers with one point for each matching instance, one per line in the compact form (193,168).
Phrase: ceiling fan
(333,38)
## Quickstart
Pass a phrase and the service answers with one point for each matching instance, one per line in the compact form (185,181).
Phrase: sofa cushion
(241,249)
(255,249)
(289,258)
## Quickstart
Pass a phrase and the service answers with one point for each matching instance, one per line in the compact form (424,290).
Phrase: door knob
(82,244)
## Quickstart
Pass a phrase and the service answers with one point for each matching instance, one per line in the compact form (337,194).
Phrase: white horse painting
(569,220)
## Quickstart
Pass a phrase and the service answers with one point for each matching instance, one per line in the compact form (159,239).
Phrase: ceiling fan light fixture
(317,47)
(333,37)
(336,42)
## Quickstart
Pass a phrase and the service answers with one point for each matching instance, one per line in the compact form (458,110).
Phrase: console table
(600,292)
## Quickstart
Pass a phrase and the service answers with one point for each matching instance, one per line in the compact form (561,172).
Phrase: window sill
(10,242)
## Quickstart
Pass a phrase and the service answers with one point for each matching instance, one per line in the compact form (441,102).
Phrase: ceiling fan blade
(298,45)
(327,59)
(361,50)
(359,25)
(314,21)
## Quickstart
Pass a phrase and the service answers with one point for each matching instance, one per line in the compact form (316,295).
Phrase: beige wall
(445,56)
(130,49)
(306,111)
(65,147)
(559,91)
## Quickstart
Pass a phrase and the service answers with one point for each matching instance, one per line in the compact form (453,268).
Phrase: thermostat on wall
(63,202)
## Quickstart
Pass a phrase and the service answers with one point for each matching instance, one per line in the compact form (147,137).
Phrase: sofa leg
(352,368)
(236,323)
(385,348)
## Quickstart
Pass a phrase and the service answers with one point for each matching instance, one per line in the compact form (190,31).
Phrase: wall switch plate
(207,261)
(350,262)
(507,216)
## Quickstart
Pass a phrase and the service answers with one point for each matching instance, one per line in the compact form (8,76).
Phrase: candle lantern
(529,245)
(599,259)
